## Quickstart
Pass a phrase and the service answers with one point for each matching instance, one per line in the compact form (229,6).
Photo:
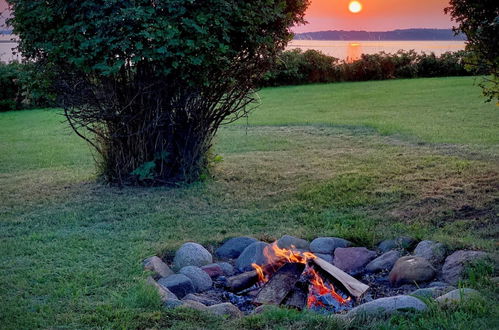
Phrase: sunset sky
(376,15)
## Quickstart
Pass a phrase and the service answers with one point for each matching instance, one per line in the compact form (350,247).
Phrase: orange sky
(377,15)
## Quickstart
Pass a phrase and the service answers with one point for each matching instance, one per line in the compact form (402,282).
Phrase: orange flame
(262,277)
(321,288)
(276,255)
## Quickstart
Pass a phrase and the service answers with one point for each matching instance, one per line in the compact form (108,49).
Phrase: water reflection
(343,49)
(354,51)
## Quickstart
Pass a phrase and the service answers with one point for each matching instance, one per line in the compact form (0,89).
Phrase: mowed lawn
(364,161)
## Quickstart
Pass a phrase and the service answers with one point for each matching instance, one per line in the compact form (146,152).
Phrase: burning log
(281,283)
(351,284)
(297,298)
(245,280)
(241,281)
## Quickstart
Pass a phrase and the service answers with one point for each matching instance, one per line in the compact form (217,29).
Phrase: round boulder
(352,260)
(327,245)
(157,265)
(200,279)
(328,257)
(383,262)
(214,270)
(179,284)
(254,253)
(456,296)
(411,269)
(386,306)
(432,292)
(287,242)
(234,247)
(403,242)
(432,251)
(227,268)
(225,309)
(454,265)
(192,254)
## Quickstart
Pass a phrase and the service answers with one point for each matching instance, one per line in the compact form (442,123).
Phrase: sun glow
(355,7)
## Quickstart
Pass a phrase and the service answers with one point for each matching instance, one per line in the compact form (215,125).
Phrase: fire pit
(296,279)
(327,275)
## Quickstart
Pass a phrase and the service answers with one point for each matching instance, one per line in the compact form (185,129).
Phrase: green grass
(443,110)
(71,247)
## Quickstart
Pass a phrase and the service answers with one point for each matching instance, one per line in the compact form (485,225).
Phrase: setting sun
(355,7)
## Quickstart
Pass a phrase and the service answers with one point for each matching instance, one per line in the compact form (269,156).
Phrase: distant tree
(479,21)
(149,82)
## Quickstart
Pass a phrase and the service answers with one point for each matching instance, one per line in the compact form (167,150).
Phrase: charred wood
(281,283)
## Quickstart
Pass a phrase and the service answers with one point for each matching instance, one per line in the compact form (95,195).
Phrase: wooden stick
(281,283)
(245,280)
(242,281)
(351,284)
(297,298)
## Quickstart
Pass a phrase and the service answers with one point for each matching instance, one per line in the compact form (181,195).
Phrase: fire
(262,277)
(319,288)
(276,257)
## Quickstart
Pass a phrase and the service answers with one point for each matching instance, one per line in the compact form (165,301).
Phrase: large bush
(149,82)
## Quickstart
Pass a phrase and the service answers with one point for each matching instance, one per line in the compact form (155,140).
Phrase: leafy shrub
(297,67)
(24,86)
(9,87)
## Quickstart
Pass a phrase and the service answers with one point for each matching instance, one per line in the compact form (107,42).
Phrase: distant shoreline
(395,35)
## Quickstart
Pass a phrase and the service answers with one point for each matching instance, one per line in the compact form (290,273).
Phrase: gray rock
(234,247)
(327,245)
(352,260)
(432,251)
(287,241)
(437,284)
(172,303)
(252,254)
(192,254)
(328,257)
(387,306)
(227,268)
(163,292)
(200,279)
(157,265)
(411,269)
(179,284)
(213,270)
(456,296)
(201,299)
(383,262)
(192,304)
(403,242)
(433,292)
(225,309)
(454,265)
